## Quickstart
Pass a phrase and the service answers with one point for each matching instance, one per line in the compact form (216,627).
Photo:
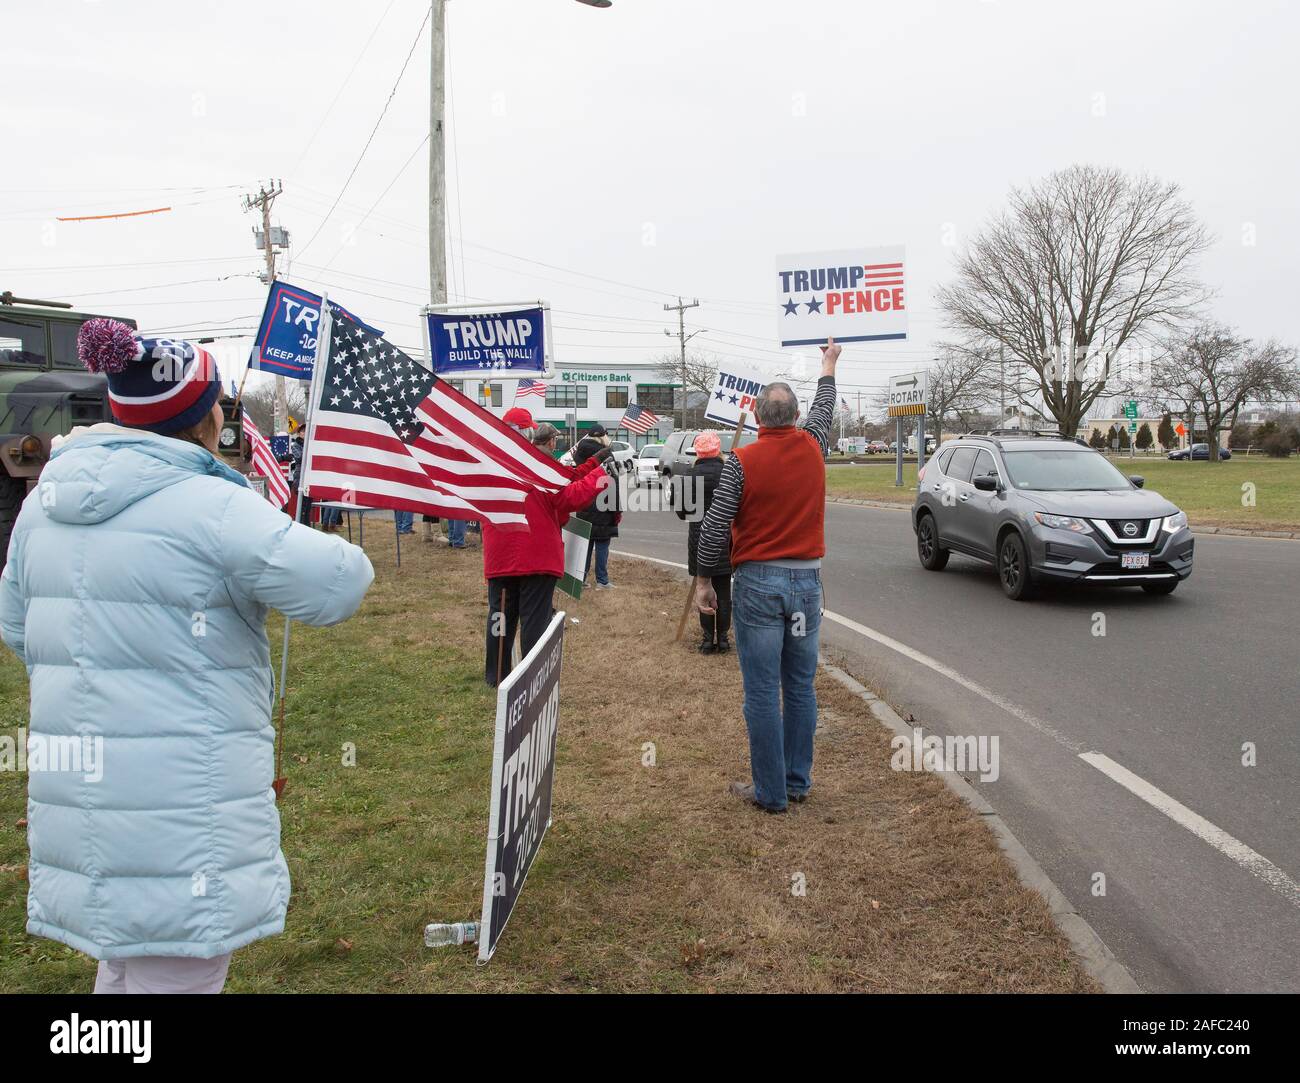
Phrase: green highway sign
(1131,409)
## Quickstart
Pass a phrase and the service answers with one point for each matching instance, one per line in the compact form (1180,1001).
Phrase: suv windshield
(1052,470)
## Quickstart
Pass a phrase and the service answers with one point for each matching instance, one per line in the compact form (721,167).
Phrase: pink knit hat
(707,445)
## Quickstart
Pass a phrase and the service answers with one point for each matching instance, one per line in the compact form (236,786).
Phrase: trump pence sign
(735,392)
(856,295)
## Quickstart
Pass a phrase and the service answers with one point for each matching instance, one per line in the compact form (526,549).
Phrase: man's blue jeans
(777,615)
(456,533)
(405,521)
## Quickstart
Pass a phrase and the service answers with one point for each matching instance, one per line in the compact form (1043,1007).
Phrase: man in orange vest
(770,504)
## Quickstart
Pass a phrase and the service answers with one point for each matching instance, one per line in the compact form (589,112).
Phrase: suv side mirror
(986,483)
(1137,479)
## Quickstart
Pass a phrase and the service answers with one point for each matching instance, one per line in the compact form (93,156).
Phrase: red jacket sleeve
(579,493)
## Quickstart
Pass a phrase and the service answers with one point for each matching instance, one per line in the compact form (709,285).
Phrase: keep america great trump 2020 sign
(523,776)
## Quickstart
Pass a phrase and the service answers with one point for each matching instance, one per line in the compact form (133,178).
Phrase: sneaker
(797,798)
(745,791)
(724,645)
(708,647)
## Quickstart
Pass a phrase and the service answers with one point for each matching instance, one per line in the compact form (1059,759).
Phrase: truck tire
(12,492)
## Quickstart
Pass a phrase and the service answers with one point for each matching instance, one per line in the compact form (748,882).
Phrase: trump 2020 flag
(389,434)
(286,338)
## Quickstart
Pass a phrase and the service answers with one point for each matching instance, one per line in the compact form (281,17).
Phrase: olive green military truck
(45,392)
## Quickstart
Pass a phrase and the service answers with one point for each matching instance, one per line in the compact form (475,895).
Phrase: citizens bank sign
(596,377)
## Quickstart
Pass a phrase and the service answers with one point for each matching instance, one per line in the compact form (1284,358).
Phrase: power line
(118,266)
(165,285)
(343,86)
(382,194)
(391,94)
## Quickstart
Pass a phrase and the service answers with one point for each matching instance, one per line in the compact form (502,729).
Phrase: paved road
(1200,854)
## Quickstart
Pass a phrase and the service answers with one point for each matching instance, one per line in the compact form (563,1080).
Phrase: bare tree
(259,401)
(1211,373)
(701,373)
(1081,264)
(959,385)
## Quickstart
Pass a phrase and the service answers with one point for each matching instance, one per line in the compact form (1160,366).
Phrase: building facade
(595,393)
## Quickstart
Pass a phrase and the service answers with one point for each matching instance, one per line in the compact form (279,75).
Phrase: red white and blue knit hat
(160,384)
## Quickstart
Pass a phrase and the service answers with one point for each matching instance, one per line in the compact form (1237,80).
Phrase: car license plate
(1135,560)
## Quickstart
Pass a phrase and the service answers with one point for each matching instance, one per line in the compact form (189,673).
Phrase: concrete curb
(1097,959)
(1231,531)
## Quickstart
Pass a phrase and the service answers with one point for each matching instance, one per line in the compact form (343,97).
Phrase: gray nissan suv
(1044,508)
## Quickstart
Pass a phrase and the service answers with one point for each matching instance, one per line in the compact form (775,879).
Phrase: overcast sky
(655,148)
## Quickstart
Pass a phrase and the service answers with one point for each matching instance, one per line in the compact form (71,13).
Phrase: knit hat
(162,385)
(707,445)
(519,417)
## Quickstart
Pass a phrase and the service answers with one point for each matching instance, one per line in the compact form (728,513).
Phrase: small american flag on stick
(638,418)
(525,388)
(389,434)
(264,463)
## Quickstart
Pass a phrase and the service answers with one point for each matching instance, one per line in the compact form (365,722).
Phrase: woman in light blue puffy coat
(136,591)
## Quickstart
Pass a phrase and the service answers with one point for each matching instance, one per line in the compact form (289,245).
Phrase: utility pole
(263,200)
(437,155)
(680,308)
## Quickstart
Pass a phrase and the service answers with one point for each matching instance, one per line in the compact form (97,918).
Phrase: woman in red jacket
(523,566)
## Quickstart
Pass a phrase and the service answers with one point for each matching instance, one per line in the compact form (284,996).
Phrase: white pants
(162,974)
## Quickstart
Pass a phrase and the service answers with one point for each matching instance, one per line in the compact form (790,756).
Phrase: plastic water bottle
(438,935)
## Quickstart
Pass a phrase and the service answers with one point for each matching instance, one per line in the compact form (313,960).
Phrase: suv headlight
(1063,522)
(1176,522)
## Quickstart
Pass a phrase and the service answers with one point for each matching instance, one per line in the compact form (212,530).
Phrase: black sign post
(523,773)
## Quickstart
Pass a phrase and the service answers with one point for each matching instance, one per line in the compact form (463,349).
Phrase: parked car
(877,447)
(1200,451)
(1045,508)
(646,470)
(679,450)
(622,457)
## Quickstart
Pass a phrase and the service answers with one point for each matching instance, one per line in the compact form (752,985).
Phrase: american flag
(389,434)
(529,387)
(264,462)
(638,418)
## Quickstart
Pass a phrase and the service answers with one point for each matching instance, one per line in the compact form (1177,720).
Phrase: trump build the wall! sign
(856,295)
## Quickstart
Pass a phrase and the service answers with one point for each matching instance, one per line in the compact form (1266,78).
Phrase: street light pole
(437,154)
(438,148)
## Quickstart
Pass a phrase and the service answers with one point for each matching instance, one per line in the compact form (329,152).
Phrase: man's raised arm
(822,412)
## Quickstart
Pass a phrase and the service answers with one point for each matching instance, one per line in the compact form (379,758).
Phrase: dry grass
(650,879)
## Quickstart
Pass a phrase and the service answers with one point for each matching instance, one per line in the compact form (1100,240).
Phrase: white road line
(931,663)
(947,671)
(1254,863)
